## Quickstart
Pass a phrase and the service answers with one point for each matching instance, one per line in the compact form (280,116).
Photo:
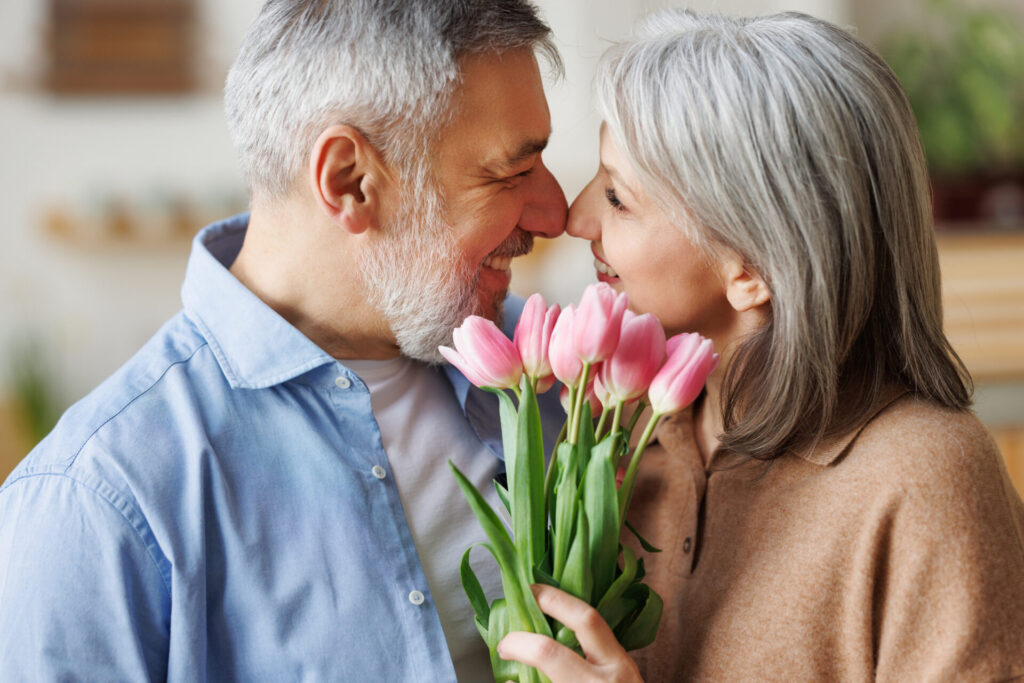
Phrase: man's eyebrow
(525,151)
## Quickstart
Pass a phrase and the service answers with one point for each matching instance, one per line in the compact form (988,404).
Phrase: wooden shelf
(121,47)
(983,299)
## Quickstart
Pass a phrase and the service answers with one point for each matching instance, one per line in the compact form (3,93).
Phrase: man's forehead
(501,116)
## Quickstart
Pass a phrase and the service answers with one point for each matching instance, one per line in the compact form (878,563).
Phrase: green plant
(34,394)
(963,70)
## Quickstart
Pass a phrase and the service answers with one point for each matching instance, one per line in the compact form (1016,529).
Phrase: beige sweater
(896,553)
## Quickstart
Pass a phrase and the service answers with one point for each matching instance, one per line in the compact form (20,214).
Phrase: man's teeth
(498,262)
(602,267)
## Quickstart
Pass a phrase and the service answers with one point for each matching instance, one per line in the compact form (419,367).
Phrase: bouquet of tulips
(567,518)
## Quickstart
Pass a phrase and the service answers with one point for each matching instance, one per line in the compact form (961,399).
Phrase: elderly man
(261,492)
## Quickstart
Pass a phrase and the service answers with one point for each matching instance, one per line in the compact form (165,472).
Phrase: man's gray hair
(386,67)
(788,141)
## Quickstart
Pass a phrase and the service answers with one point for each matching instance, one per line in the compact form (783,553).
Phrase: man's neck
(308,273)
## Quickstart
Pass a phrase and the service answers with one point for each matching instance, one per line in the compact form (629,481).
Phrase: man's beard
(418,281)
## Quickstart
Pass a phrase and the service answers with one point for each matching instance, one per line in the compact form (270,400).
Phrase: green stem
(616,421)
(577,409)
(549,476)
(600,423)
(640,407)
(626,490)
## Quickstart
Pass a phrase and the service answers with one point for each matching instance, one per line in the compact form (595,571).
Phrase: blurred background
(114,152)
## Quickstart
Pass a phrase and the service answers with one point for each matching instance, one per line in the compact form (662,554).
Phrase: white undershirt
(422,427)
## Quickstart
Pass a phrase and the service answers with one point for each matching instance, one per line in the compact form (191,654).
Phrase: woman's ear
(347,175)
(744,288)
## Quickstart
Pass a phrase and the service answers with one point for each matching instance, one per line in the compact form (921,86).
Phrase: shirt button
(686,545)
(342,382)
(416,598)
(379,472)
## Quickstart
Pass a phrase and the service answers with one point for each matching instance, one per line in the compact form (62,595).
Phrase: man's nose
(545,210)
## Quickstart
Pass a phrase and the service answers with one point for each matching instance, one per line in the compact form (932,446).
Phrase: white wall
(96,306)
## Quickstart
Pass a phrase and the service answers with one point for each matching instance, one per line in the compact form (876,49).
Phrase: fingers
(595,637)
(606,660)
(548,656)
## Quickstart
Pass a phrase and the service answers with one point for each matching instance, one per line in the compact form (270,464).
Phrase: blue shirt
(215,511)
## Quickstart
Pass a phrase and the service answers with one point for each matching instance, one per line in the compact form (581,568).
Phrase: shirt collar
(676,432)
(255,347)
(830,448)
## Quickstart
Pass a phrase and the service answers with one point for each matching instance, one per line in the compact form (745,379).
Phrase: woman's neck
(707,417)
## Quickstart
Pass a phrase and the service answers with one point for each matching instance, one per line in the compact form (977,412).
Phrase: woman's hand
(606,660)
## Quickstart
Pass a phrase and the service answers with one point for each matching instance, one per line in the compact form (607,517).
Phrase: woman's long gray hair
(788,141)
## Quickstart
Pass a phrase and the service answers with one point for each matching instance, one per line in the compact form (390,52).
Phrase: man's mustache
(518,243)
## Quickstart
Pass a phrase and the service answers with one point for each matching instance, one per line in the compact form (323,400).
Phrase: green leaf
(566,503)
(498,626)
(551,476)
(646,545)
(481,628)
(509,417)
(503,496)
(567,637)
(525,613)
(527,484)
(544,577)
(622,582)
(471,585)
(576,578)
(585,441)
(616,611)
(601,503)
(641,629)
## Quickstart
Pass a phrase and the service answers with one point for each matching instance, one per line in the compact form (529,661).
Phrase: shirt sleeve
(950,590)
(81,596)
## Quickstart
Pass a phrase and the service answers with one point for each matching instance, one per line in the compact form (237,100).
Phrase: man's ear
(744,288)
(347,175)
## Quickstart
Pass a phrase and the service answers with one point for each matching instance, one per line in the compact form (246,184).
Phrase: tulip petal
(484,354)
(562,350)
(684,373)
(598,322)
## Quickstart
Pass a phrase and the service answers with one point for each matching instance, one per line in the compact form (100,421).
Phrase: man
(261,493)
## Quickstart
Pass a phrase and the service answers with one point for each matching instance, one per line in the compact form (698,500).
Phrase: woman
(829,509)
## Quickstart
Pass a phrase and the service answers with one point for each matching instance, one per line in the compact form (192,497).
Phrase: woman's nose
(583,215)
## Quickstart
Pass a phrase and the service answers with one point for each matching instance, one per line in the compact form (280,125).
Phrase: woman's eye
(613,199)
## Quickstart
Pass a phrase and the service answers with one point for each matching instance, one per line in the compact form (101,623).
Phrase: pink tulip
(544,384)
(628,372)
(595,403)
(562,350)
(533,335)
(601,393)
(690,360)
(484,355)
(598,322)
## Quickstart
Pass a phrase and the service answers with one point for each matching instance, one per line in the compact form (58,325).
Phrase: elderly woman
(829,509)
